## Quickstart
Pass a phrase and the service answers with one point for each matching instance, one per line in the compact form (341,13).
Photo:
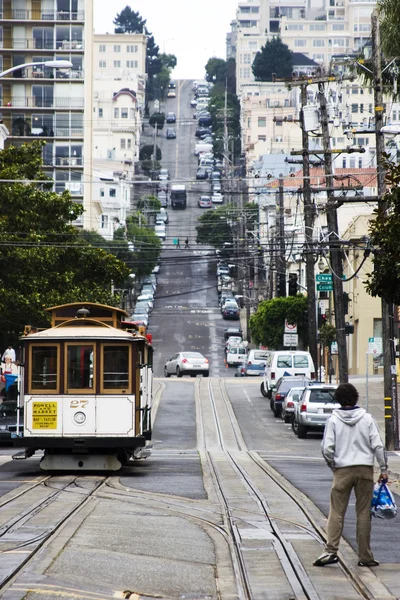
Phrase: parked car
(255,362)
(205,202)
(170,118)
(289,402)
(235,355)
(201,147)
(163,198)
(216,187)
(160,231)
(193,103)
(164,173)
(233,340)
(202,173)
(285,363)
(162,216)
(202,131)
(283,385)
(216,174)
(140,317)
(314,408)
(233,331)
(171,94)
(230,310)
(149,298)
(187,363)
(217,198)
(170,133)
(223,269)
(149,288)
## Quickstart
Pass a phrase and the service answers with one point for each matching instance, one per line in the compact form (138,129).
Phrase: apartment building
(318,29)
(45,103)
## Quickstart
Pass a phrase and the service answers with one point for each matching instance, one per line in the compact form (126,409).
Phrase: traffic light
(293,285)
(322,318)
(348,328)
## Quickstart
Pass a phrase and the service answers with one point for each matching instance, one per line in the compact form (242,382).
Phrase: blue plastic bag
(383,505)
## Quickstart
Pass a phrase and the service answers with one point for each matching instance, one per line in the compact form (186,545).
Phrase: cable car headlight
(79,418)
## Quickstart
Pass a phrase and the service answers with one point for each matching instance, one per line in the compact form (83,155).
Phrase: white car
(160,231)
(235,355)
(217,198)
(146,298)
(187,363)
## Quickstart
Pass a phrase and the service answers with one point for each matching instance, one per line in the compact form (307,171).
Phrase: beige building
(44,103)
(118,106)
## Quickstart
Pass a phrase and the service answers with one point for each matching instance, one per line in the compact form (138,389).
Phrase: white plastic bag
(383,505)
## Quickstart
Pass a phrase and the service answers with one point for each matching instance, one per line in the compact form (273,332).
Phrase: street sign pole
(366,383)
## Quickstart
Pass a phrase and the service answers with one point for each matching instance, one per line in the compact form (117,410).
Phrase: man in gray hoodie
(351,443)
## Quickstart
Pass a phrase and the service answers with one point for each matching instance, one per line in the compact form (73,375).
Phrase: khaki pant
(361,478)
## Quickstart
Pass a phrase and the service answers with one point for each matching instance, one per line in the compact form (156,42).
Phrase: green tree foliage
(274,57)
(327,334)
(217,106)
(267,324)
(147,247)
(389,13)
(129,21)
(157,118)
(223,72)
(146,152)
(150,167)
(215,227)
(149,204)
(44,260)
(384,229)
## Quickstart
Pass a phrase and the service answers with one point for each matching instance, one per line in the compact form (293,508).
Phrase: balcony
(40,102)
(21,14)
(41,44)
(43,73)
(69,161)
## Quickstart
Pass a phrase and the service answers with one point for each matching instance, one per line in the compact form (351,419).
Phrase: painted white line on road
(247,396)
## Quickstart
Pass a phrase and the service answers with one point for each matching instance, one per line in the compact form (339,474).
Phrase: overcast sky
(193,30)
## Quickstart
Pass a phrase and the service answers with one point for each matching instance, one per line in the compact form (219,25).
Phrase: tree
(267,324)
(384,231)
(44,261)
(223,72)
(389,13)
(158,118)
(215,227)
(274,57)
(149,204)
(146,152)
(147,247)
(129,21)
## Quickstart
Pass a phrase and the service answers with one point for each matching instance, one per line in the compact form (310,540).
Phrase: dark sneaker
(326,559)
(368,563)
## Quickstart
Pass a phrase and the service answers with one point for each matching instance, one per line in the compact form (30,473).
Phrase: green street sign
(324,287)
(326,277)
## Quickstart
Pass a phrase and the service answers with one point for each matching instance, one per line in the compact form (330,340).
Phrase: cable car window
(80,367)
(44,373)
(116,367)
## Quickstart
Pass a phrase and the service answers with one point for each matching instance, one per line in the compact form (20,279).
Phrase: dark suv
(283,385)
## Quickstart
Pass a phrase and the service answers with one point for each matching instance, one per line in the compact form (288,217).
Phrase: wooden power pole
(309,216)
(334,243)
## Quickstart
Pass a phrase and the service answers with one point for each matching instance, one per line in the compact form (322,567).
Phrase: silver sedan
(187,363)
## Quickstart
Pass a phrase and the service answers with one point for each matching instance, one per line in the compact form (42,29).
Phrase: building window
(123,143)
(101,192)
(360,163)
(299,43)
(253,45)
(129,143)
(262,138)
(294,27)
(124,113)
(247,59)
(132,64)
(100,113)
(104,221)
(317,27)
(262,121)
(246,73)
(354,108)
(102,48)
(117,48)
(337,26)
(112,192)
(116,113)
(132,113)
(344,163)
(117,64)
(318,43)
(102,64)
(132,48)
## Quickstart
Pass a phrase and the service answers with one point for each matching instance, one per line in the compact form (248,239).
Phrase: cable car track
(301,583)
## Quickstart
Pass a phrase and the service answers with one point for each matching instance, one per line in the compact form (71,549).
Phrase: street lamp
(51,64)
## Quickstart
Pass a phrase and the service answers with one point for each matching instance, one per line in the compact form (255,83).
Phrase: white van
(235,355)
(202,147)
(283,363)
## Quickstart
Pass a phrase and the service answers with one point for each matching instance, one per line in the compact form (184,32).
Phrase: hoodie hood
(349,417)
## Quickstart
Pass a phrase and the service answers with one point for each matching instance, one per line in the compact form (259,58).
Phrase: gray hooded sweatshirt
(352,438)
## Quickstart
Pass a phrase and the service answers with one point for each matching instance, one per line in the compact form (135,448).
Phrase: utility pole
(309,216)
(389,354)
(155,147)
(334,243)
(281,262)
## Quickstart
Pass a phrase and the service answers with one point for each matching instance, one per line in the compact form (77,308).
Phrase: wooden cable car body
(86,390)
